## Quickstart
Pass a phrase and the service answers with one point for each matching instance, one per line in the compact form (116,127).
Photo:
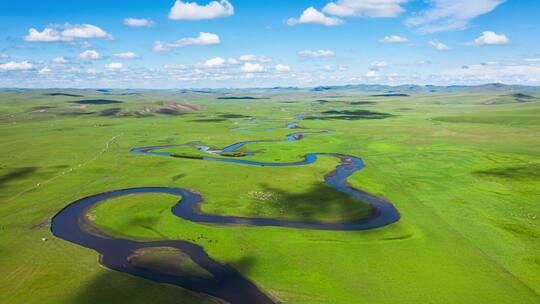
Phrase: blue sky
(241,43)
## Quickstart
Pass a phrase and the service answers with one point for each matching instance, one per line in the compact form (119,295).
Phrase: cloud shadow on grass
(120,288)
(350,115)
(64,94)
(110,112)
(16,174)
(96,101)
(209,120)
(319,202)
(529,172)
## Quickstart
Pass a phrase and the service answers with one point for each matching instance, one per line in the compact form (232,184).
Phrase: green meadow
(462,168)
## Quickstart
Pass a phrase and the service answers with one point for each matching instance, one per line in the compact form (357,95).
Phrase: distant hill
(519,92)
(403,90)
(520,97)
(381,90)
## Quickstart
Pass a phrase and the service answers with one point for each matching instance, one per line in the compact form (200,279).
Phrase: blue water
(227,284)
(383,212)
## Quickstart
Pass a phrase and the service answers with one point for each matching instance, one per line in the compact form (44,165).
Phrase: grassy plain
(463,169)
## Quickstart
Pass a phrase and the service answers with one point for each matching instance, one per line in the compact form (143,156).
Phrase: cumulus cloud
(89,54)
(311,15)
(448,15)
(159,46)
(114,66)
(439,45)
(59,60)
(248,57)
(215,62)
(251,57)
(490,38)
(372,74)
(84,31)
(203,39)
(394,39)
(282,68)
(16,66)
(192,11)
(138,22)
(66,32)
(250,67)
(365,8)
(379,64)
(316,53)
(85,44)
(126,55)
(494,72)
(47,35)
(44,71)
(175,66)
(330,68)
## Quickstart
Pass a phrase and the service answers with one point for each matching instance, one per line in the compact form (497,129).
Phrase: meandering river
(227,284)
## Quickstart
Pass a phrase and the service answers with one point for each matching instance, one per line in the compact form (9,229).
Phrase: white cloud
(126,55)
(44,71)
(47,35)
(138,22)
(311,15)
(159,46)
(490,38)
(495,72)
(213,63)
(66,32)
(394,39)
(439,45)
(16,66)
(233,61)
(379,64)
(372,74)
(316,53)
(252,67)
(532,59)
(84,31)
(192,11)
(91,71)
(448,15)
(85,44)
(330,68)
(248,58)
(175,66)
(89,54)
(251,57)
(4,55)
(203,39)
(282,68)
(114,66)
(59,60)
(367,8)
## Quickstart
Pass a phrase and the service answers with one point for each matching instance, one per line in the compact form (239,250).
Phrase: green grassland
(463,169)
